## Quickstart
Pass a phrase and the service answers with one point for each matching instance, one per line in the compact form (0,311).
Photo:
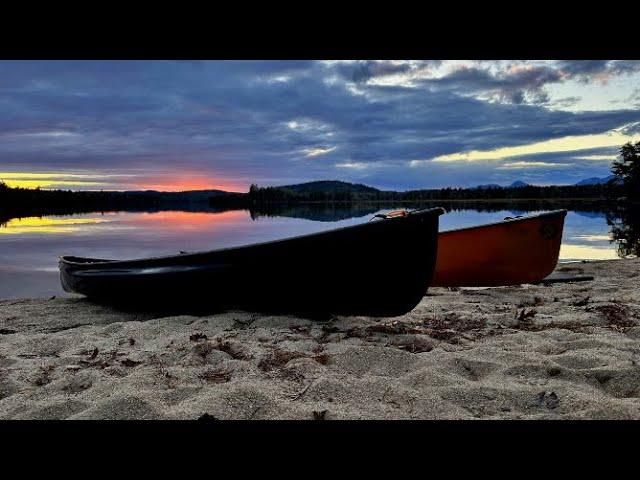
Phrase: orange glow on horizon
(164,182)
(189,181)
(161,220)
(190,220)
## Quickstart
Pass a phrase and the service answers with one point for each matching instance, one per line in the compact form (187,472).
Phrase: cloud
(234,123)
(597,158)
(316,152)
(365,70)
(511,84)
(525,165)
(563,144)
(600,70)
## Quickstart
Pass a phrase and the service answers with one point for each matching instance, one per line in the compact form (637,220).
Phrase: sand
(561,351)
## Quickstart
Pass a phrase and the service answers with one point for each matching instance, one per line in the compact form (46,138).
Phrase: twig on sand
(299,395)
(253,414)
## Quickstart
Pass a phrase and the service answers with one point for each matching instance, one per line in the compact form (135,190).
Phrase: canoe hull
(512,252)
(353,270)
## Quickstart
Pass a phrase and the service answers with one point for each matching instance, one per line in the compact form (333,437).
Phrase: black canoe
(379,268)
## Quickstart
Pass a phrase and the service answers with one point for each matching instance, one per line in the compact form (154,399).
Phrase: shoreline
(7,214)
(559,351)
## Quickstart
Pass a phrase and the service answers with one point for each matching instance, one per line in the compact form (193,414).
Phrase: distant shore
(21,202)
(590,204)
(567,350)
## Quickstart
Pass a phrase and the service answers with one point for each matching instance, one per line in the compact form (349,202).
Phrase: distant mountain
(328,186)
(489,186)
(596,180)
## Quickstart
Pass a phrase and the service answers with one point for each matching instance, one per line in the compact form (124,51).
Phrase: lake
(29,247)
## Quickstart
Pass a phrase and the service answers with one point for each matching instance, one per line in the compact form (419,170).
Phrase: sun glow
(166,182)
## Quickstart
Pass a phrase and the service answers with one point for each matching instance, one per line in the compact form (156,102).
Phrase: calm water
(29,247)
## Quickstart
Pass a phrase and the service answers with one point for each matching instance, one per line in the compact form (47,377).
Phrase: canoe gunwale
(88,262)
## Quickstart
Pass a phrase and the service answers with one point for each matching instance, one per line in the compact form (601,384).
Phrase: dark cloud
(365,70)
(587,70)
(513,84)
(277,122)
(583,67)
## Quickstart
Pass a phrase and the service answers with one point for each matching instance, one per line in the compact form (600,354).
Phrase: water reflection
(625,230)
(29,246)
(49,225)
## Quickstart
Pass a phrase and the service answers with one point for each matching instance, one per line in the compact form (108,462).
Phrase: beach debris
(525,315)
(617,316)
(322,358)
(300,329)
(255,411)
(94,354)
(300,394)
(414,344)
(207,418)
(196,337)
(582,302)
(217,375)
(393,328)
(538,301)
(554,371)
(326,331)
(277,358)
(451,327)
(235,349)
(242,324)
(204,349)
(320,415)
(43,375)
(132,341)
(73,368)
(550,280)
(550,401)
(170,380)
(6,331)
(127,362)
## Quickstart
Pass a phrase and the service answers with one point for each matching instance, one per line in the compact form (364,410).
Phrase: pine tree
(627,168)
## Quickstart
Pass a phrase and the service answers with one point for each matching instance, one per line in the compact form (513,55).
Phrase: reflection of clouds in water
(582,252)
(36,243)
(468,218)
(589,231)
(592,238)
(47,225)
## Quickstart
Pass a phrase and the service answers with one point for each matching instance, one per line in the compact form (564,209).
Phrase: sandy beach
(559,351)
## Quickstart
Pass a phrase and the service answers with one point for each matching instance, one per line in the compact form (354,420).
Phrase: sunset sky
(182,125)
